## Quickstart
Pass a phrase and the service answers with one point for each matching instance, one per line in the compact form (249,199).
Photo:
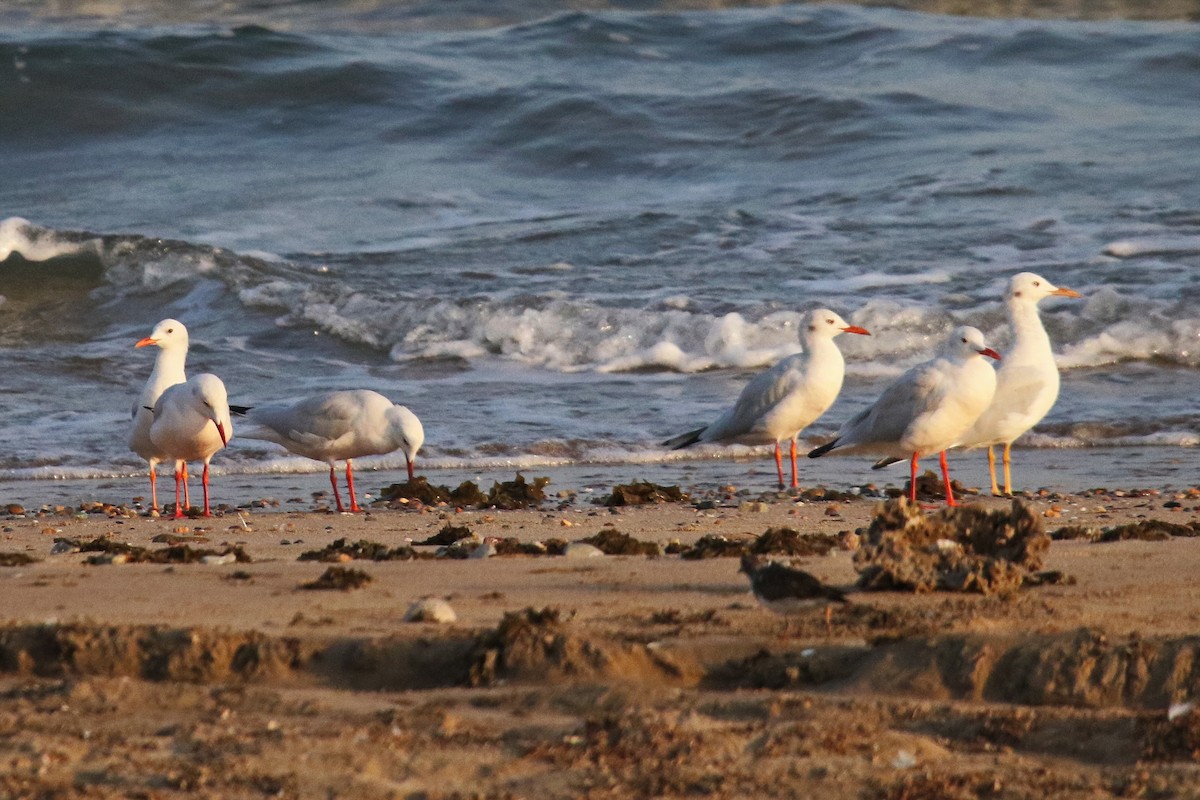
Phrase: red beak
(990,353)
(146,342)
(221,430)
(856,329)
(410,469)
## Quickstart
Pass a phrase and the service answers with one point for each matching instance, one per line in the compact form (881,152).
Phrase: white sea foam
(1153,245)
(35,243)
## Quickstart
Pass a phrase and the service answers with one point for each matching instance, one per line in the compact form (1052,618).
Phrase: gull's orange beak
(856,329)
(1063,291)
(990,353)
(221,430)
(410,469)
(146,342)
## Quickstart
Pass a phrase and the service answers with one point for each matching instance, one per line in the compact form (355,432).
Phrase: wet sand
(609,676)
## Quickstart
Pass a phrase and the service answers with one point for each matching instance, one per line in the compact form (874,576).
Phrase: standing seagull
(340,426)
(171,339)
(927,409)
(191,423)
(1027,381)
(781,401)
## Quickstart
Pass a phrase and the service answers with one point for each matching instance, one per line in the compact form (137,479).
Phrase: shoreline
(604,676)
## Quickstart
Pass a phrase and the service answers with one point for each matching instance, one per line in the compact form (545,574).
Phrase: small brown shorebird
(787,590)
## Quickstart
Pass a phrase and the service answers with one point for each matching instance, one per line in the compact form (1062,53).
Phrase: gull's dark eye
(170,330)
(829,321)
(964,340)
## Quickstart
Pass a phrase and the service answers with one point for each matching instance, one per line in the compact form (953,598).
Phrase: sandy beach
(213,670)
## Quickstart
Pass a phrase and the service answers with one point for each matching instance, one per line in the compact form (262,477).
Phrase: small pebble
(582,550)
(228,558)
(430,609)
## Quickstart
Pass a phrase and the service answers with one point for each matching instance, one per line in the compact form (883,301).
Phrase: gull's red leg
(779,464)
(795,480)
(950,501)
(333,481)
(178,481)
(912,484)
(204,482)
(350,485)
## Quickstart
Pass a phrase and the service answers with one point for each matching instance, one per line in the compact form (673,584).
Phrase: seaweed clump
(341,578)
(514,494)
(109,550)
(614,543)
(712,545)
(342,549)
(790,542)
(641,493)
(957,549)
(17,559)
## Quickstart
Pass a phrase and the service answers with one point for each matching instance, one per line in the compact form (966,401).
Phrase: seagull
(1027,381)
(781,401)
(787,590)
(171,339)
(191,423)
(927,409)
(339,426)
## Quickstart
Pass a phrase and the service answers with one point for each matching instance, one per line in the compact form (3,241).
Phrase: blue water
(560,237)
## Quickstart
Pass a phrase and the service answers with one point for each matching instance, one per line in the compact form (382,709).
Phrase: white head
(967,342)
(821,323)
(168,334)
(210,399)
(1027,287)
(407,433)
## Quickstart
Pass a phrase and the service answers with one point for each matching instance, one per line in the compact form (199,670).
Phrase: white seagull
(339,426)
(171,339)
(927,409)
(191,423)
(781,401)
(1027,381)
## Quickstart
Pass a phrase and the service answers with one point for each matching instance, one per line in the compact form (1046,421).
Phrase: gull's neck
(169,366)
(1029,336)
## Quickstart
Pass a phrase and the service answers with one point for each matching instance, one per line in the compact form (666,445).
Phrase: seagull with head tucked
(339,426)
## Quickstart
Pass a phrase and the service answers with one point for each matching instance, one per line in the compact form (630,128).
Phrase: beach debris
(987,551)
(431,609)
(641,493)
(1149,530)
(15,510)
(931,488)
(1146,530)
(714,545)
(340,578)
(448,535)
(790,542)
(215,560)
(614,543)
(517,493)
(582,550)
(507,495)
(62,545)
(485,549)
(110,551)
(754,507)
(341,550)
(17,559)
(1174,737)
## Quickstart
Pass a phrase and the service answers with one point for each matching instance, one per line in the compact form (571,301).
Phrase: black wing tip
(684,439)
(239,411)
(823,449)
